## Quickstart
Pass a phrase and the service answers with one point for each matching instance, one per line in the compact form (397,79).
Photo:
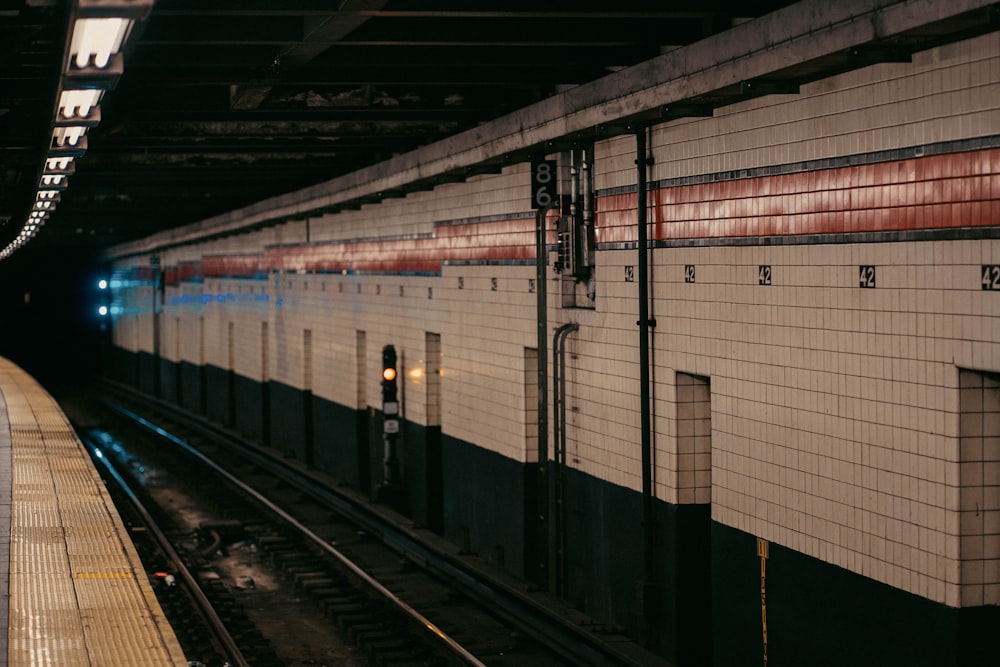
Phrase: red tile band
(933,192)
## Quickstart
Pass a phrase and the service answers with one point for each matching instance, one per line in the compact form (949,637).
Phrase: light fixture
(95,40)
(61,147)
(59,164)
(69,135)
(80,106)
(92,64)
(100,32)
(53,181)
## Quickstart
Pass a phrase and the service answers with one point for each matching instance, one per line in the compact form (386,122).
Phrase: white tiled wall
(834,409)
(483,335)
(499,194)
(948,93)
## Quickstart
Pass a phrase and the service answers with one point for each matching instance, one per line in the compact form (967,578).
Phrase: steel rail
(437,633)
(218,627)
(567,637)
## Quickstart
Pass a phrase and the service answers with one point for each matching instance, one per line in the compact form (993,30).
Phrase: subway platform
(78,594)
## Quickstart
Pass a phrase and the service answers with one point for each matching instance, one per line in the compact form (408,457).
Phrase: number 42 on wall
(991,277)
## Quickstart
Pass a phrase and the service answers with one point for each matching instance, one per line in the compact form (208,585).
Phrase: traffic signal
(388,373)
(391,489)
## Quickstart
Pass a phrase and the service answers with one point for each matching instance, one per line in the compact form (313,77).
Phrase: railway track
(204,617)
(394,598)
(333,592)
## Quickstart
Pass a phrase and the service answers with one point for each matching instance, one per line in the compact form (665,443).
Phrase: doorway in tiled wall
(694,517)
(434,475)
(979,493)
(307,397)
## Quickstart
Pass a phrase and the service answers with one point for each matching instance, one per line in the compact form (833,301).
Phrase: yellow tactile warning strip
(78,592)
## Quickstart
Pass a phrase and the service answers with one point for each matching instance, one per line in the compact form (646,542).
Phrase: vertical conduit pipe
(541,304)
(644,322)
(559,436)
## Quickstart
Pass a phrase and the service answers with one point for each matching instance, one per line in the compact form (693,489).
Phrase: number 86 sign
(544,186)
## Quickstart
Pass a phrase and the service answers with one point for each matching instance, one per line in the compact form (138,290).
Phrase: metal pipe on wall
(642,162)
(559,435)
(541,304)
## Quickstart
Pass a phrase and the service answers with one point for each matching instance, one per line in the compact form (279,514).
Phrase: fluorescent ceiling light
(97,40)
(58,163)
(68,136)
(78,103)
